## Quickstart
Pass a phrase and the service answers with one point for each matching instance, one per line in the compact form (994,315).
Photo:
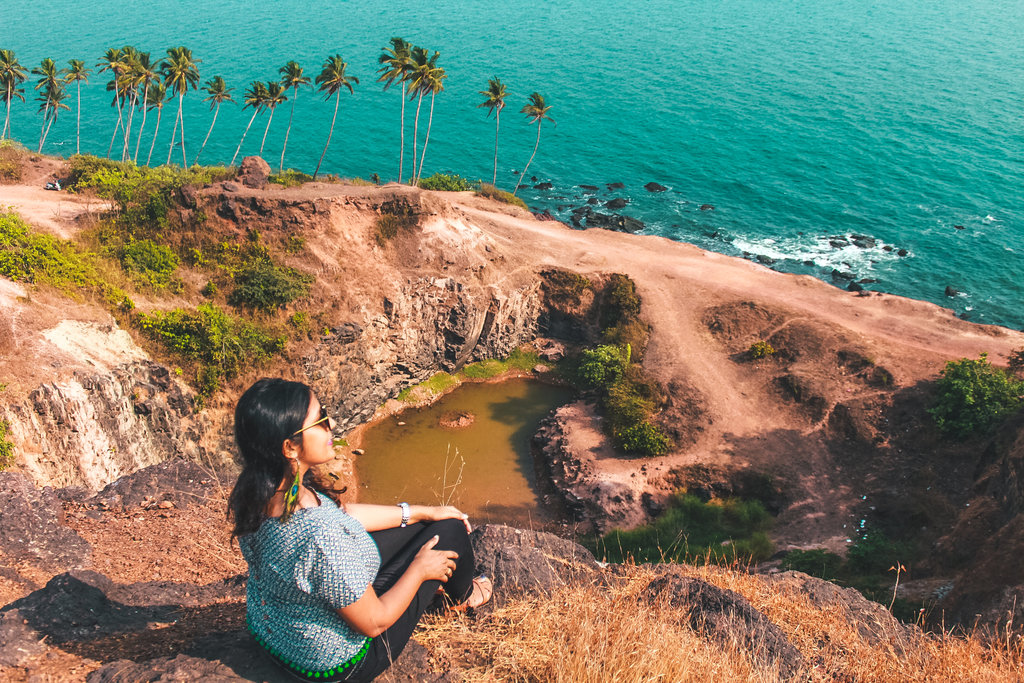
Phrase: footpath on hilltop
(388,286)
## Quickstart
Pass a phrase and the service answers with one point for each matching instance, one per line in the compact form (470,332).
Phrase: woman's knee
(452,534)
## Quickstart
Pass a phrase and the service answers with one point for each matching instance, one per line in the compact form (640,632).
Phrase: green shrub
(817,562)
(563,287)
(151,263)
(391,222)
(691,530)
(264,286)
(622,303)
(874,553)
(624,406)
(437,384)
(445,183)
(221,345)
(643,438)
(290,178)
(34,257)
(491,192)
(760,349)
(602,367)
(633,333)
(492,367)
(209,290)
(6,447)
(1016,362)
(973,395)
(302,324)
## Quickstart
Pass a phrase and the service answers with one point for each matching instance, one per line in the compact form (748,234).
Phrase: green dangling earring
(291,496)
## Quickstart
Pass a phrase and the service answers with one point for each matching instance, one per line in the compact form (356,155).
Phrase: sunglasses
(325,420)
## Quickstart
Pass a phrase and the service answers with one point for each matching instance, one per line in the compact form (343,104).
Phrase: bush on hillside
(602,367)
(973,395)
(445,182)
(492,192)
(644,439)
(221,345)
(290,178)
(12,155)
(262,285)
(33,257)
(690,530)
(151,263)
(760,349)
(563,287)
(6,447)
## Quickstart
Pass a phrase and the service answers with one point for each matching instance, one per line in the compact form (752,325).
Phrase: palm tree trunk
(145,108)
(48,125)
(119,125)
(174,134)
(128,131)
(497,124)
(181,117)
(255,111)
(159,115)
(415,134)
(78,123)
(535,145)
(401,150)
(7,118)
(337,101)
(288,132)
(265,131)
(212,123)
(430,122)
(42,131)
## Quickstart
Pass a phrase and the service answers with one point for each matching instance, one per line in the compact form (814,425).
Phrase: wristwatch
(405,514)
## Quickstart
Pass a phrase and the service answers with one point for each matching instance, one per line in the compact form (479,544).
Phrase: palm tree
(495,102)
(49,79)
(433,83)
(77,72)
(331,80)
(291,77)
(396,63)
(419,72)
(275,96)
(156,98)
(12,74)
(219,92)
(537,110)
(255,97)
(112,61)
(181,74)
(131,79)
(147,73)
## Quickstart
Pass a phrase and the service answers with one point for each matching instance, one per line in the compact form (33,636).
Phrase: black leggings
(398,547)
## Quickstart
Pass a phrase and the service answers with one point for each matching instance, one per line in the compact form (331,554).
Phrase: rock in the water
(766,260)
(31,525)
(543,186)
(617,203)
(902,252)
(616,186)
(707,207)
(654,187)
(950,291)
(593,200)
(613,222)
(854,287)
(459,419)
(254,172)
(840,275)
(863,241)
(958,227)
(588,188)
(544,215)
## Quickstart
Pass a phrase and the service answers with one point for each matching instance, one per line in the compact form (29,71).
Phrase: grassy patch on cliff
(441,382)
(690,530)
(6,447)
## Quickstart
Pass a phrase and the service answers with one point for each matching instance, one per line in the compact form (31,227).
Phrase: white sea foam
(819,251)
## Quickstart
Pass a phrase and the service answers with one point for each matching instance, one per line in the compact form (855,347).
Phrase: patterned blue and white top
(300,572)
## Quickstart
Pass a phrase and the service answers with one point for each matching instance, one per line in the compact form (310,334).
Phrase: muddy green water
(485,469)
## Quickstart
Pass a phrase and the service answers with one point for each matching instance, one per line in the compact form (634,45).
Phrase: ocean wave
(830,252)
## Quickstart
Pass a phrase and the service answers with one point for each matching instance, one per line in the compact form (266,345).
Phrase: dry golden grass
(597,634)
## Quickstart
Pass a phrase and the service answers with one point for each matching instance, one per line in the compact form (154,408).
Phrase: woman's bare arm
(377,517)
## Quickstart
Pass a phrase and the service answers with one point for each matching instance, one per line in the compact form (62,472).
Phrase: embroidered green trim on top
(306,673)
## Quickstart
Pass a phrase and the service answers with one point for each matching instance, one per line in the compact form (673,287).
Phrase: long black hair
(267,414)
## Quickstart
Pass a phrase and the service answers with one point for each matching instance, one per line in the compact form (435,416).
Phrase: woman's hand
(434,564)
(435,513)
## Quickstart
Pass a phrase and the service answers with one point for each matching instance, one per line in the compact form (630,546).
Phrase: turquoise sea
(800,121)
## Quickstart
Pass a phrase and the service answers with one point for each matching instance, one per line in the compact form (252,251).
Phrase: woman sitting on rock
(334,590)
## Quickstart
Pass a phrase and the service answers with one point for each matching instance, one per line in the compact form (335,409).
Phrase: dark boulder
(543,186)
(229,186)
(727,618)
(854,287)
(950,291)
(958,227)
(617,203)
(588,188)
(613,222)
(655,187)
(863,241)
(707,207)
(182,482)
(840,275)
(766,260)
(616,186)
(902,252)
(593,200)
(520,561)
(544,215)
(254,172)
(32,525)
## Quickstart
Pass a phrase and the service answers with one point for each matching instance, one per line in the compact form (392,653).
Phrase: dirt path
(57,212)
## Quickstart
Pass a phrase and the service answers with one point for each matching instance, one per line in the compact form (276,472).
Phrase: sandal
(480,595)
